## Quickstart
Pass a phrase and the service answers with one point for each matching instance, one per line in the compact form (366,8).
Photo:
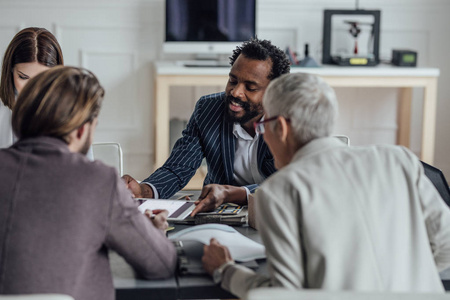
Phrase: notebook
(224,209)
(189,244)
(241,248)
(238,219)
(178,209)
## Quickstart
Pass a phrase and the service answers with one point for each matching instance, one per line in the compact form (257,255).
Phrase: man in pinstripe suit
(221,130)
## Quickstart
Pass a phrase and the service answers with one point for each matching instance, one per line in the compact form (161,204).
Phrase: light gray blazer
(350,218)
(59,214)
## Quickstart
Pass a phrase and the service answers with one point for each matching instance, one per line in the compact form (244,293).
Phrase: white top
(246,157)
(349,218)
(6,134)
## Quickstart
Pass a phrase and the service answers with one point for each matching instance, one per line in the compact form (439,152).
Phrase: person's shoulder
(95,170)
(208,103)
(389,158)
(399,152)
(282,180)
(101,168)
(5,111)
(212,99)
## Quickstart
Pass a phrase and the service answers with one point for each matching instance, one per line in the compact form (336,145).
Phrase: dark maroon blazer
(59,215)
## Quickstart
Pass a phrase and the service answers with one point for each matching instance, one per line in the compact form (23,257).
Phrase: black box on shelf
(404,58)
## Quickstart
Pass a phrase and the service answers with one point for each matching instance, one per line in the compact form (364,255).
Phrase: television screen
(210,20)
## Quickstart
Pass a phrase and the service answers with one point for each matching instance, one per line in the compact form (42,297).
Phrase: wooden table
(171,74)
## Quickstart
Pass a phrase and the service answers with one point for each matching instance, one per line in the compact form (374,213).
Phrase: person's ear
(77,137)
(282,128)
(81,130)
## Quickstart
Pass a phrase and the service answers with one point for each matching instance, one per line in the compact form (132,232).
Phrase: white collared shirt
(246,157)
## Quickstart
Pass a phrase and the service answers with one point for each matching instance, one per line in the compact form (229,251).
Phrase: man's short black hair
(262,50)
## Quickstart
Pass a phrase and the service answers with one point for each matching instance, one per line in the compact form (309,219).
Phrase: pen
(169,229)
(184,196)
(149,214)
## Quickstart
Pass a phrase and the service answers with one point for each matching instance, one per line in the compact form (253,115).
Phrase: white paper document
(241,248)
(178,209)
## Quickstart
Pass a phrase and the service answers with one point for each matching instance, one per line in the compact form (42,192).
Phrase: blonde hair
(56,102)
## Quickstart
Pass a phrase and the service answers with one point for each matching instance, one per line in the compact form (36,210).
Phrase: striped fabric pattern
(208,135)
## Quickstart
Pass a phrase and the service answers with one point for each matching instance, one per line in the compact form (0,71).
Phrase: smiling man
(221,130)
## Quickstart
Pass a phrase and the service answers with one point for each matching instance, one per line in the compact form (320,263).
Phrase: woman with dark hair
(31,51)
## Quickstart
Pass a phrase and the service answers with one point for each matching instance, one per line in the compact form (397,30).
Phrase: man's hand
(213,195)
(138,190)
(214,256)
(158,218)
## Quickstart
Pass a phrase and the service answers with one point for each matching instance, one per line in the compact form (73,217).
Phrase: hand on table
(213,195)
(158,218)
(138,190)
(215,255)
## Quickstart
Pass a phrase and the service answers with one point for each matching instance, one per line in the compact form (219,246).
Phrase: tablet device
(178,209)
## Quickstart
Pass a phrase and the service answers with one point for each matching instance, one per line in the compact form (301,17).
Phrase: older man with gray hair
(336,217)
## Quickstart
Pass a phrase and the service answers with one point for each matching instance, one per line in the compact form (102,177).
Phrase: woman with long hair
(31,51)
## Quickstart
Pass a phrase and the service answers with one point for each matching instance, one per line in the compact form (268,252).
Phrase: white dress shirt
(246,157)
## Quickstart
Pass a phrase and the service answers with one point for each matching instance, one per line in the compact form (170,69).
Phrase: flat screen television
(208,26)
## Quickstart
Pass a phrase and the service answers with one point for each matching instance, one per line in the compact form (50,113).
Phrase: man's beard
(251,110)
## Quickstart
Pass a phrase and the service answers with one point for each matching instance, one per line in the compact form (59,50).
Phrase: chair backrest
(438,179)
(285,294)
(36,297)
(343,138)
(110,154)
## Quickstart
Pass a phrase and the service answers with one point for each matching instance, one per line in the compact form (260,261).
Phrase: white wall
(119,40)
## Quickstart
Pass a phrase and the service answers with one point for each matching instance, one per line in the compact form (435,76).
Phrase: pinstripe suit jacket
(208,135)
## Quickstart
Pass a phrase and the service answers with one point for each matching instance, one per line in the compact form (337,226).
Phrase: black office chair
(438,179)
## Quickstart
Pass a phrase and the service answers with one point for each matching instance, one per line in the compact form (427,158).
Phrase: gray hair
(308,101)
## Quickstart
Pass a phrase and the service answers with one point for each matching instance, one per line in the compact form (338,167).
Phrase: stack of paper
(241,248)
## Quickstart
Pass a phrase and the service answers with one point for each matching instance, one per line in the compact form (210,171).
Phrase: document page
(176,208)
(241,247)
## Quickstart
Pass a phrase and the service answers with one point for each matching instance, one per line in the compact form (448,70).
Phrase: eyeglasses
(259,126)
